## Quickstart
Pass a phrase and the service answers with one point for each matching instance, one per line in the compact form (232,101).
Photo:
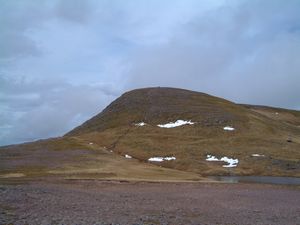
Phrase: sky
(63,61)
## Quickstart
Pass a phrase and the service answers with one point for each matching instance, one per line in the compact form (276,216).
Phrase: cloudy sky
(62,61)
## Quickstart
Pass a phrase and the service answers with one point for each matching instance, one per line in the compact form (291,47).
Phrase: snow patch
(276,113)
(257,155)
(230,162)
(175,124)
(229,128)
(91,143)
(211,158)
(161,159)
(140,124)
(156,159)
(128,156)
(169,158)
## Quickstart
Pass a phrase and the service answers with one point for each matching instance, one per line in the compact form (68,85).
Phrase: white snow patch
(211,158)
(230,162)
(276,113)
(91,143)
(176,124)
(156,159)
(140,124)
(128,156)
(257,155)
(229,128)
(169,158)
(161,159)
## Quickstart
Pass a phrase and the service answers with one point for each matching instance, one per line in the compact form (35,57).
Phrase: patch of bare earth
(113,202)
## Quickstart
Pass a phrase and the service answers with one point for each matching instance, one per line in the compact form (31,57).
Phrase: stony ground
(109,202)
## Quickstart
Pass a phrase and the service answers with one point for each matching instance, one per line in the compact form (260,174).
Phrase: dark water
(258,179)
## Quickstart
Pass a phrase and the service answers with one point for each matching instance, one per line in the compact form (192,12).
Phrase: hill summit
(166,134)
(158,105)
(264,140)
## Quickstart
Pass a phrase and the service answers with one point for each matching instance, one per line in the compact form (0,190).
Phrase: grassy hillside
(158,105)
(265,140)
(272,132)
(71,158)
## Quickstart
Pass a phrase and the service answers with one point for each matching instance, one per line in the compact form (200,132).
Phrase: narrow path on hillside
(114,144)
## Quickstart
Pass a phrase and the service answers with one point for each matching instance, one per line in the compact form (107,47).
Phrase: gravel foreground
(111,202)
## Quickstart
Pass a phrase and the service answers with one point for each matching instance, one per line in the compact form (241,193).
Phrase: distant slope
(265,140)
(292,117)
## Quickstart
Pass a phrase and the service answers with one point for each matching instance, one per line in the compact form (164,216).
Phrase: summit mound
(264,140)
(168,134)
(160,105)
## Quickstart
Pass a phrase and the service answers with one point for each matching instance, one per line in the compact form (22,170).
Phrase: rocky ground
(112,202)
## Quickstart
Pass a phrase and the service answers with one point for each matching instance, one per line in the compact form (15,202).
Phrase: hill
(178,130)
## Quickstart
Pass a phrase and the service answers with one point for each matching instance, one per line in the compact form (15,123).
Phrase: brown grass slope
(272,132)
(158,105)
(71,158)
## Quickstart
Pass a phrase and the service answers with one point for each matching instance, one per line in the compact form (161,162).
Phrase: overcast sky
(62,61)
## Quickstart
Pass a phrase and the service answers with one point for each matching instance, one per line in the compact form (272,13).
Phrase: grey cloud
(14,45)
(20,20)
(78,11)
(245,52)
(16,20)
(51,110)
